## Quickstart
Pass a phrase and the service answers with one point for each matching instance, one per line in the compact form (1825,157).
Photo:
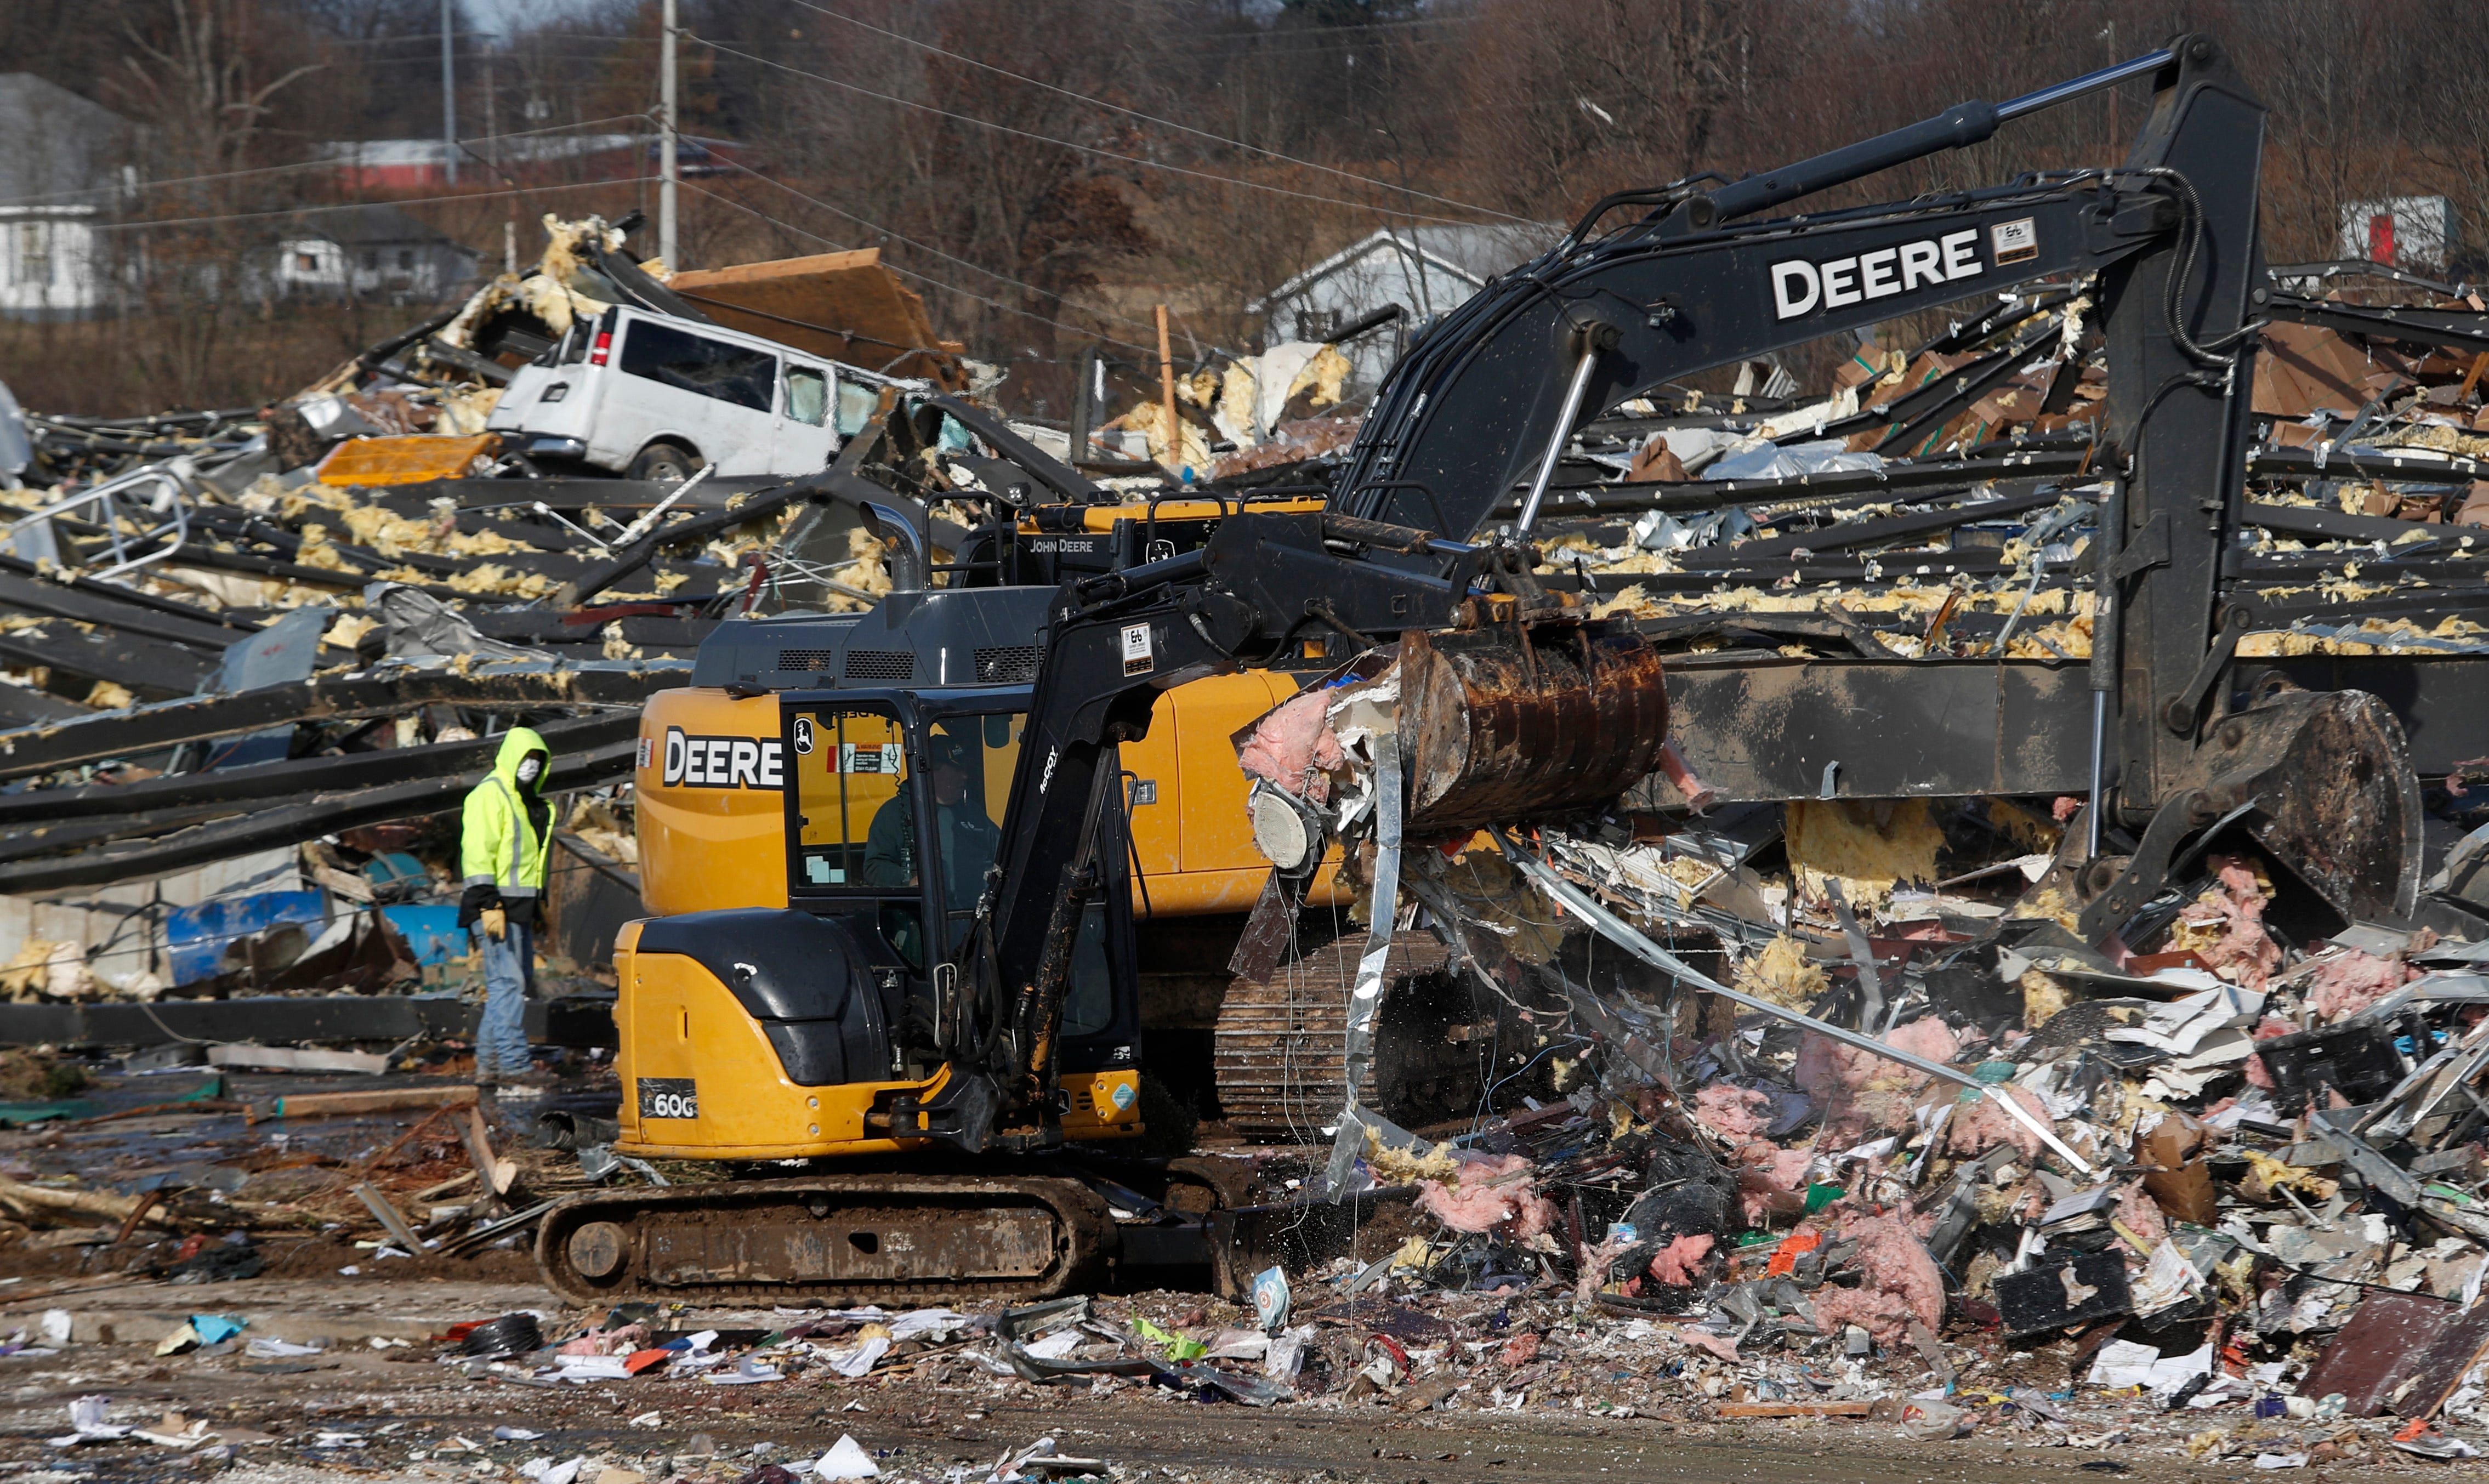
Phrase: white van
(649,396)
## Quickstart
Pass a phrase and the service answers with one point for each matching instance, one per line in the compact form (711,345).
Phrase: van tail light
(603,350)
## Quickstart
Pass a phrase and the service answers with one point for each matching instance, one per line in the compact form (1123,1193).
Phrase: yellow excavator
(953,979)
(912,1029)
(706,786)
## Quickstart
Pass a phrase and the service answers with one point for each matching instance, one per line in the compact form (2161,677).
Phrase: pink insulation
(1735,1113)
(2138,1212)
(1697,793)
(1492,1193)
(1978,1125)
(2258,1074)
(1679,1262)
(1771,1180)
(1902,1282)
(1593,1270)
(1294,747)
(1722,1345)
(2350,981)
(1862,1094)
(621,1341)
(2236,902)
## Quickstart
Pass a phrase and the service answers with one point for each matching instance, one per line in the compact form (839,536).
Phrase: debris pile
(1850,1107)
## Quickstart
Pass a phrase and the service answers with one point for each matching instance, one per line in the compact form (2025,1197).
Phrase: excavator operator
(968,838)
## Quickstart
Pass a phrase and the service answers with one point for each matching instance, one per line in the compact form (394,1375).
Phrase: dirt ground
(381,1398)
(399,1412)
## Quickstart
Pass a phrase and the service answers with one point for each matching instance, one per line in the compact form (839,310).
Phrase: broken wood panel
(293,779)
(2373,1356)
(29,595)
(124,659)
(22,705)
(43,749)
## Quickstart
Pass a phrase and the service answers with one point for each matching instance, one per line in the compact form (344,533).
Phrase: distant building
(411,164)
(64,174)
(2412,233)
(363,252)
(1427,271)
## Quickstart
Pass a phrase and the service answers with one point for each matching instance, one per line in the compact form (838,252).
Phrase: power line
(1085,149)
(1202,133)
(951,288)
(307,211)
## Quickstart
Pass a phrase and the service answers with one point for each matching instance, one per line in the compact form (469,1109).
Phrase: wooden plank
(382,1101)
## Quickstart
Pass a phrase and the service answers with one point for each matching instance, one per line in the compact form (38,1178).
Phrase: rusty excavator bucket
(1510,723)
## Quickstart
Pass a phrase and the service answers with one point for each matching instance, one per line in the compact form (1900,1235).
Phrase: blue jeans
(510,978)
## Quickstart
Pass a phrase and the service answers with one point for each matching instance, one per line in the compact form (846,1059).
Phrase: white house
(64,168)
(364,252)
(1427,271)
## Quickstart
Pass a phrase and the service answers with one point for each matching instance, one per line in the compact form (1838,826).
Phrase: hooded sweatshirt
(504,831)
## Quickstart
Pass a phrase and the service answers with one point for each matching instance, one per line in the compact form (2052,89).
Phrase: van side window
(807,395)
(713,368)
(856,405)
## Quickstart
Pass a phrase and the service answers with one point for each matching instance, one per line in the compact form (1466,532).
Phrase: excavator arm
(1468,429)
(1113,644)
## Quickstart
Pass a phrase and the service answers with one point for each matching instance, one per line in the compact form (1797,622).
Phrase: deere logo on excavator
(1800,286)
(723,763)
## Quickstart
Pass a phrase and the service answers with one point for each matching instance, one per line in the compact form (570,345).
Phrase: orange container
(407,459)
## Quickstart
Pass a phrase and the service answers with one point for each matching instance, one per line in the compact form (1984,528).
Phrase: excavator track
(861,1238)
(1279,1047)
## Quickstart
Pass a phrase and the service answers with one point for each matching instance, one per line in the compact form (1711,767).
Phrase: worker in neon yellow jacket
(505,831)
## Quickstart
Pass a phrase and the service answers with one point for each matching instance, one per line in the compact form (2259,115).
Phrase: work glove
(496,922)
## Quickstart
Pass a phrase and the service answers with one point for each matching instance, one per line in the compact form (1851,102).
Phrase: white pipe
(644,524)
(1573,395)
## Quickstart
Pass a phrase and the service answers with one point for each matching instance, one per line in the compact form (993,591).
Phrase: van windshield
(713,368)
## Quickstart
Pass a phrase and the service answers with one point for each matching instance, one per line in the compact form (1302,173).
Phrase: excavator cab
(895,826)
(830,1027)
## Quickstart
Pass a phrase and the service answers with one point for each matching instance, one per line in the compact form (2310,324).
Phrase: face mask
(530,770)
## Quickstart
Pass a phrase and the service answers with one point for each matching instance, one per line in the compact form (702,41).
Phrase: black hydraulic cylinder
(1957,127)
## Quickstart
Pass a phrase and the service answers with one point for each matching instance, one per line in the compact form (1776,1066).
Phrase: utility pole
(1167,395)
(448,95)
(666,157)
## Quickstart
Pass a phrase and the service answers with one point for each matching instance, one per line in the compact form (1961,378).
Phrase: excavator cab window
(968,763)
(915,824)
(852,773)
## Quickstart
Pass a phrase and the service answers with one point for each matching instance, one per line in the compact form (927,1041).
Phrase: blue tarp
(198,936)
(433,932)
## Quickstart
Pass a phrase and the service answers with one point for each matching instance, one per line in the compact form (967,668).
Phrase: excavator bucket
(2335,797)
(1511,724)
(2322,781)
